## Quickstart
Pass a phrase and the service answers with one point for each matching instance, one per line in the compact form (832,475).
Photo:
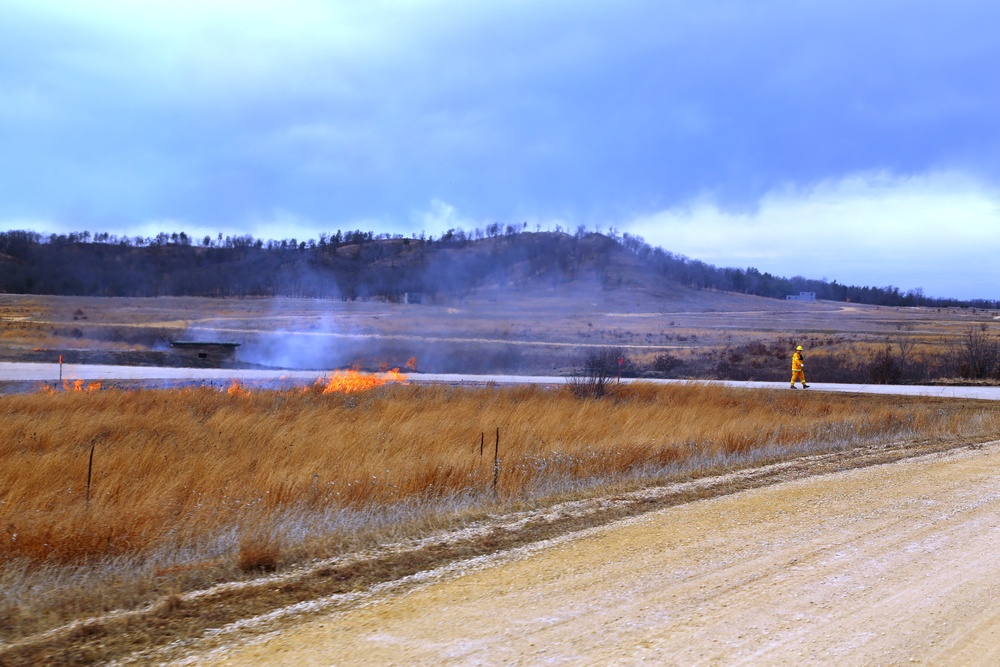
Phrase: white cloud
(440,216)
(872,228)
(282,224)
(178,18)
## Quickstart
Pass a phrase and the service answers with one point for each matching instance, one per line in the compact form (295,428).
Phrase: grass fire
(338,382)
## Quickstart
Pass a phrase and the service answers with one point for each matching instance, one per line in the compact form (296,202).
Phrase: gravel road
(892,564)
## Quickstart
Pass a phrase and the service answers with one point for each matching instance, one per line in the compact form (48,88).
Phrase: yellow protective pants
(798,376)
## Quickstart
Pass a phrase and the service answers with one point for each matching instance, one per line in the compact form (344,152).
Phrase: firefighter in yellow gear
(798,375)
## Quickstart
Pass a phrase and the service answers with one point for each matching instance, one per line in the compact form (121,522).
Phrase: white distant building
(801,296)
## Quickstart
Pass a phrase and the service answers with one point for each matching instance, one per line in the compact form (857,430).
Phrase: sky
(856,141)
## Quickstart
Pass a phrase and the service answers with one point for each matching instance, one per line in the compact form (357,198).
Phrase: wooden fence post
(90,468)
(496,463)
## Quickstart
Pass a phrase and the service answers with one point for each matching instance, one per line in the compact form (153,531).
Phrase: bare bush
(978,354)
(884,367)
(666,362)
(598,373)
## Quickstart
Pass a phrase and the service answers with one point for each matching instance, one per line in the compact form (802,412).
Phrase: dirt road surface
(893,564)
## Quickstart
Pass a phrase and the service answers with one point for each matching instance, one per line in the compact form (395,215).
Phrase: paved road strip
(28,372)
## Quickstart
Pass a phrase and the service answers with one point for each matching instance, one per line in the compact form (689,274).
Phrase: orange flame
(236,389)
(341,381)
(78,385)
(350,381)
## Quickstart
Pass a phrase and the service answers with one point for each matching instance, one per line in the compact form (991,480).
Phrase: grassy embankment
(196,486)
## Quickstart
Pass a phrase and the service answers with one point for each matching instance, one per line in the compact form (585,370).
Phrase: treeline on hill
(364,265)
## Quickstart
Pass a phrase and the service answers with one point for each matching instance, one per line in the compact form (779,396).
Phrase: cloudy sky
(856,140)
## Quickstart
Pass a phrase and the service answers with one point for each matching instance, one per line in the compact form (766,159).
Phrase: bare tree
(979,354)
(905,343)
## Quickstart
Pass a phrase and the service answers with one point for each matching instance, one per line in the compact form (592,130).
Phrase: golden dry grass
(176,468)
(185,481)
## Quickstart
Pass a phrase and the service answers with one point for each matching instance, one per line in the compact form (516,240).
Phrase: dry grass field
(116,499)
(539,331)
(192,487)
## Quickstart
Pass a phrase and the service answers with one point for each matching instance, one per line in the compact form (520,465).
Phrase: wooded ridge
(365,265)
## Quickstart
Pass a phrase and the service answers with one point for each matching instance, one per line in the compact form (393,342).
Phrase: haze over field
(855,141)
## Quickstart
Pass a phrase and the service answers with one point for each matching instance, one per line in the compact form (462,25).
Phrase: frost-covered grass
(190,487)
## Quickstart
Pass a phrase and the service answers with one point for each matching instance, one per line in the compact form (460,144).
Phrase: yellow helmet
(799,348)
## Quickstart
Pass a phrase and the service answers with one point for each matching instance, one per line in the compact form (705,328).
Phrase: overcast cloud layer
(856,141)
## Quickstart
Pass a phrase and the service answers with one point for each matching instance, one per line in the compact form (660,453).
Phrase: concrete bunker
(204,354)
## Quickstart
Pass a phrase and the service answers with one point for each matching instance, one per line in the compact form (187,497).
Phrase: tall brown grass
(182,477)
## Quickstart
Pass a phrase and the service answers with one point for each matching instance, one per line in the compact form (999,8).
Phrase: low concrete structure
(204,355)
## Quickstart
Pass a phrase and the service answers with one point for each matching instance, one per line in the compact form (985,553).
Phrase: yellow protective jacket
(796,362)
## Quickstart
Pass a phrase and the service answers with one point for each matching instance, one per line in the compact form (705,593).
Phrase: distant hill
(364,265)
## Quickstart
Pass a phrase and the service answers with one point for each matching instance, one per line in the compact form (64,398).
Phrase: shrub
(664,363)
(598,373)
(883,368)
